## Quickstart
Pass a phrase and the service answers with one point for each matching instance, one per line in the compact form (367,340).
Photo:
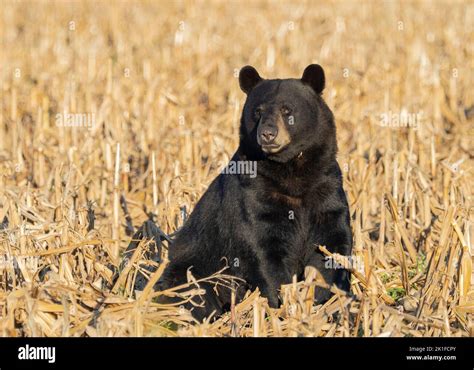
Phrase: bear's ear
(248,79)
(313,76)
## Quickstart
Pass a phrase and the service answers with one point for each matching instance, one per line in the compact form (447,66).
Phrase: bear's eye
(285,110)
(258,113)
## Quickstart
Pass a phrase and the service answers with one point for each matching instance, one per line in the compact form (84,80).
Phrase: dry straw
(150,91)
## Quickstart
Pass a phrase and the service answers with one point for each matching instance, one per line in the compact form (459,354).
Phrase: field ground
(111,113)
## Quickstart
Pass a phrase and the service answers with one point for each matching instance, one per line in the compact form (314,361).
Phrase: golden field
(115,112)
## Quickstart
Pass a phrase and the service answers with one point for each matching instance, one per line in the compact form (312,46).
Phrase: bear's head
(284,118)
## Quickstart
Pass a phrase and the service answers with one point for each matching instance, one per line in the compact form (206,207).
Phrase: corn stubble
(159,82)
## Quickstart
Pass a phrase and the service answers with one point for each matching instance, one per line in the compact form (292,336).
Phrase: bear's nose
(268,134)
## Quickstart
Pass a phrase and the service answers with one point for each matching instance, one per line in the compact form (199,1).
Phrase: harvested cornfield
(114,114)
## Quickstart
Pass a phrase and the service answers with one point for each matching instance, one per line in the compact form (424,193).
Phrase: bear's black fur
(267,227)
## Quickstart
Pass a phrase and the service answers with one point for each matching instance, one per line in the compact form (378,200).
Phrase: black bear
(278,199)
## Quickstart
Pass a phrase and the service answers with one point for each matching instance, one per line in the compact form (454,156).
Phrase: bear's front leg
(175,275)
(335,234)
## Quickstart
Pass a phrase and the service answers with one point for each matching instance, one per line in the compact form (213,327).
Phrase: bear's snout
(267,134)
(272,135)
